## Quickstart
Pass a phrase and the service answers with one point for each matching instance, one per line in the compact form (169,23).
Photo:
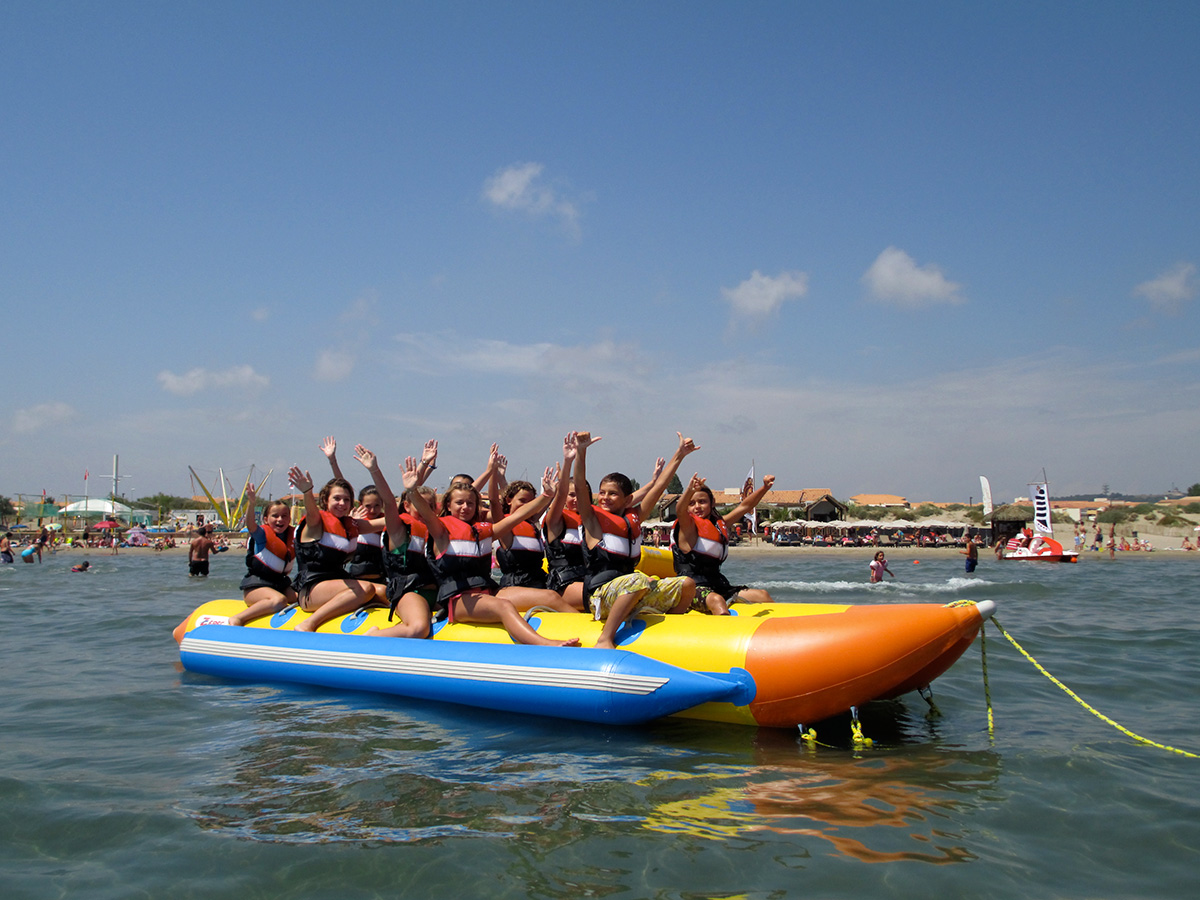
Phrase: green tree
(6,508)
(1194,490)
(675,486)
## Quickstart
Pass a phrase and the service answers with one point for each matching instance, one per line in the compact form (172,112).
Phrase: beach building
(812,504)
(880,500)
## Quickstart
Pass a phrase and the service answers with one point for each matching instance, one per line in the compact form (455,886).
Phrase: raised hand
(768,481)
(329,447)
(429,454)
(300,479)
(365,456)
(686,445)
(408,472)
(550,480)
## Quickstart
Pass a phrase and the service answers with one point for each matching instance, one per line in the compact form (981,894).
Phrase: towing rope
(1070,693)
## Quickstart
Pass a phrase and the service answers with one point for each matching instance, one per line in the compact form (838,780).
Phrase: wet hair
(368,491)
(514,488)
(620,480)
(323,497)
(878,553)
(443,508)
(463,476)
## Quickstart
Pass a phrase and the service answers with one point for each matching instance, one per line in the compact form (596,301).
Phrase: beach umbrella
(107,523)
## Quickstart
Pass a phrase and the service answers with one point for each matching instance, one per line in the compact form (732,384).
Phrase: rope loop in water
(1070,693)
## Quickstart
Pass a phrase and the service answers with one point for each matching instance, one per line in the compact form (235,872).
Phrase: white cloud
(26,421)
(1168,291)
(334,365)
(605,361)
(521,188)
(896,278)
(199,379)
(760,296)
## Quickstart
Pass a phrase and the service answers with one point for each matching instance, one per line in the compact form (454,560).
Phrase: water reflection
(306,767)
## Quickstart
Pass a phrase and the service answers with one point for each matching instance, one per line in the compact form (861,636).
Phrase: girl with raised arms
(415,607)
(459,549)
(612,545)
(700,543)
(327,537)
(520,554)
(267,588)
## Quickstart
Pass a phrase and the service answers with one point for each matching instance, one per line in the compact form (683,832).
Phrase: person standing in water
(878,567)
(972,554)
(198,551)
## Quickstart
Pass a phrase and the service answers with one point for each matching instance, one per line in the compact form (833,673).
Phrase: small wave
(950,586)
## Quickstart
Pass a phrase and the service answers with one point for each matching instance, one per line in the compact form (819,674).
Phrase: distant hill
(1131,498)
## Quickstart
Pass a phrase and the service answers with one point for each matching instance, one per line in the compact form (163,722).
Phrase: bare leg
(753,595)
(262,601)
(621,608)
(524,598)
(687,593)
(474,606)
(716,604)
(574,595)
(334,598)
(414,619)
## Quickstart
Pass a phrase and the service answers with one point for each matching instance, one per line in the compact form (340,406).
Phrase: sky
(870,247)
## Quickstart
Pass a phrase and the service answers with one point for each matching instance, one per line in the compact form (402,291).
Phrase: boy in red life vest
(700,543)
(612,545)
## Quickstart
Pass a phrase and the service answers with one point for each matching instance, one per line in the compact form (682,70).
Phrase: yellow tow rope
(1095,712)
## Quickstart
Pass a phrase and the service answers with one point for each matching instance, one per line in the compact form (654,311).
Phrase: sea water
(123,776)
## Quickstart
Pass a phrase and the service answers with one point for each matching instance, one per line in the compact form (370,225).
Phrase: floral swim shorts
(662,594)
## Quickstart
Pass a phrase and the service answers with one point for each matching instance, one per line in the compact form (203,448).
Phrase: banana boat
(776,665)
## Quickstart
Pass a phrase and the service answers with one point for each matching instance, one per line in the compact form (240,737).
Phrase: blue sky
(874,247)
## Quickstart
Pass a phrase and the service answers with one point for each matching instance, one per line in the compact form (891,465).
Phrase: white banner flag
(747,490)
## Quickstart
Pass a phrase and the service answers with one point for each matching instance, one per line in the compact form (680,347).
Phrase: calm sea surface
(124,777)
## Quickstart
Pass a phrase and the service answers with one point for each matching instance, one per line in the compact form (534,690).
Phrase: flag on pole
(85,474)
(747,490)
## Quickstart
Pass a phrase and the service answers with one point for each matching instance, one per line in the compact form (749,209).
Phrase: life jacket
(618,551)
(564,554)
(324,559)
(703,562)
(467,563)
(268,555)
(521,563)
(416,566)
(367,560)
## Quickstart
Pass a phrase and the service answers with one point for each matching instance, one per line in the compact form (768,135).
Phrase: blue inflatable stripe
(610,686)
